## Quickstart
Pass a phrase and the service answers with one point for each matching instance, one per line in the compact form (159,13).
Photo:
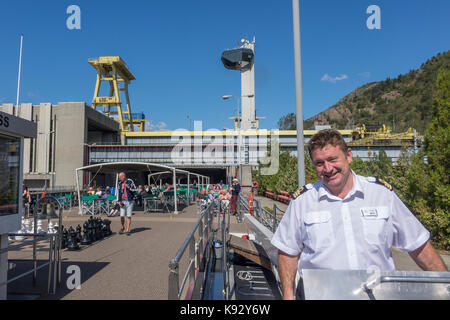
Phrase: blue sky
(174,47)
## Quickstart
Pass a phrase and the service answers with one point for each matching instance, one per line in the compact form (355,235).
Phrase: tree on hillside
(429,182)
(288,122)
(398,175)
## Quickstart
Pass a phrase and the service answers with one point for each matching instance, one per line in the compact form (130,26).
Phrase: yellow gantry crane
(381,135)
(114,70)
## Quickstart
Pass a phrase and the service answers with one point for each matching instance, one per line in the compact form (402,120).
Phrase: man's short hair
(324,138)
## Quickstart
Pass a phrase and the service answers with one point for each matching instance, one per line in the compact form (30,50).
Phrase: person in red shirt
(167,187)
(126,201)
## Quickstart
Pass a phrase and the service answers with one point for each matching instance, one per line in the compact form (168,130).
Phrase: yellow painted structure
(380,135)
(237,119)
(227,133)
(113,70)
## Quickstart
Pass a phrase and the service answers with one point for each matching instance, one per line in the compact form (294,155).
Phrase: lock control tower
(242,59)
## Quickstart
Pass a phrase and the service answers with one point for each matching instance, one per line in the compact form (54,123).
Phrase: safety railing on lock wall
(198,258)
(224,225)
(269,219)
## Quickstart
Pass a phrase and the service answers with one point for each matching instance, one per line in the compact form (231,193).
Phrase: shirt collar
(357,188)
(324,192)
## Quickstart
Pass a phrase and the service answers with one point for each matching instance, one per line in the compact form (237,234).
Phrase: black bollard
(99,229)
(105,228)
(104,231)
(85,239)
(94,230)
(97,234)
(108,231)
(78,235)
(72,244)
(91,230)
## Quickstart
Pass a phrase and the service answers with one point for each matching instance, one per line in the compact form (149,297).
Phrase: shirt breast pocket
(375,222)
(319,229)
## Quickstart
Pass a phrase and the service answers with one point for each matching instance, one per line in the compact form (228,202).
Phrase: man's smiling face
(332,166)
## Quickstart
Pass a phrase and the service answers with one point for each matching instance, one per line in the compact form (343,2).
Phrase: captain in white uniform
(346,221)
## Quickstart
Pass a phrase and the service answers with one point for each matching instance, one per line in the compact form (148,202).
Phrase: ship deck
(134,266)
(127,267)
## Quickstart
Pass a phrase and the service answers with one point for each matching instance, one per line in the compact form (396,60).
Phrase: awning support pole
(175,192)
(79,193)
(188,187)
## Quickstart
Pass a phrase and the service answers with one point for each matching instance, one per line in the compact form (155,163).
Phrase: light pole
(298,93)
(16,111)
(226,97)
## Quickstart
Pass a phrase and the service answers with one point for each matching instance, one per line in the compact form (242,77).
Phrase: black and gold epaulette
(300,191)
(383,183)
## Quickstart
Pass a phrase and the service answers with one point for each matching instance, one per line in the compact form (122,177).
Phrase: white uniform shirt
(348,234)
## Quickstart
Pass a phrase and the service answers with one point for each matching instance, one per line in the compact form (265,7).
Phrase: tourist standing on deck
(126,198)
(345,221)
(141,195)
(166,187)
(224,198)
(202,195)
(26,196)
(235,189)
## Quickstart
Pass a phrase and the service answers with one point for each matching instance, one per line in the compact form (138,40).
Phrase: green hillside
(403,102)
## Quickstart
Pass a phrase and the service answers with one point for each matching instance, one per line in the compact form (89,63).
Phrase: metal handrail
(415,279)
(197,255)
(54,250)
(371,284)
(52,258)
(276,208)
(225,228)
(268,219)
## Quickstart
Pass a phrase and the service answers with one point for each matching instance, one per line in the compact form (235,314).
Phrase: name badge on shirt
(369,212)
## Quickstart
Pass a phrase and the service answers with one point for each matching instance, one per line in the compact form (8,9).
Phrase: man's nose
(327,166)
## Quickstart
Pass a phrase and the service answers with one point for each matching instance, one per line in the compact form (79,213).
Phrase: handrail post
(274,217)
(174,281)
(192,256)
(34,248)
(50,259)
(224,254)
(56,258)
(227,209)
(199,244)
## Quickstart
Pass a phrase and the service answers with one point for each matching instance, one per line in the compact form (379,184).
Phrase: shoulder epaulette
(301,191)
(383,183)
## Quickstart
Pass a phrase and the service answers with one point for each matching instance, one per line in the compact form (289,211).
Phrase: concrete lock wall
(26,112)
(64,130)
(71,132)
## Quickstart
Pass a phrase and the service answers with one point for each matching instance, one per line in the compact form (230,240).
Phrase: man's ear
(349,155)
